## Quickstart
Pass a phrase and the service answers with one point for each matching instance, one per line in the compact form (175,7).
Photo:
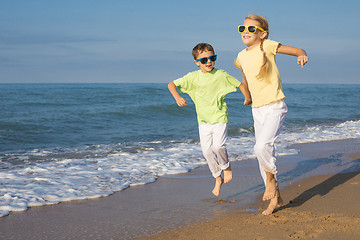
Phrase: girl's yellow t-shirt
(267,89)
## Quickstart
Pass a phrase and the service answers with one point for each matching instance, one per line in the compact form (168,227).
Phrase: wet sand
(320,188)
(322,207)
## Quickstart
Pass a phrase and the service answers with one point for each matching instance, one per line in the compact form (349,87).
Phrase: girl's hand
(302,60)
(181,102)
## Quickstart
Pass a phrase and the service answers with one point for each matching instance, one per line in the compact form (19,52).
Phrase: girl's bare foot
(228,175)
(270,188)
(218,182)
(275,202)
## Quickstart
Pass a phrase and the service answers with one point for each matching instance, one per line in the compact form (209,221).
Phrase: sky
(150,41)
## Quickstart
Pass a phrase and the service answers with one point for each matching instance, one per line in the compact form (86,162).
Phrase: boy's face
(207,67)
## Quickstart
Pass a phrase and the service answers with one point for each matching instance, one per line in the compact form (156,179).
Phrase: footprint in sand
(297,235)
(225,201)
(303,235)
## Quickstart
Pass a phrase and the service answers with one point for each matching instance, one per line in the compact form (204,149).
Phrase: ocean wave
(42,177)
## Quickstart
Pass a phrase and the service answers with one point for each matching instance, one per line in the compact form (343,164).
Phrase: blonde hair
(263,23)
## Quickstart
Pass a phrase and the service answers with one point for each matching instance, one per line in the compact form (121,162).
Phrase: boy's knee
(219,145)
(214,151)
(220,152)
(217,149)
(207,152)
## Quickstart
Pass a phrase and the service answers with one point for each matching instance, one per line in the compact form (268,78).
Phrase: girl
(260,72)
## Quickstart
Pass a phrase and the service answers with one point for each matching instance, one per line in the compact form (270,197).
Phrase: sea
(64,142)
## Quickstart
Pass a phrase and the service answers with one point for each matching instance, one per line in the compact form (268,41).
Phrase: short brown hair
(201,47)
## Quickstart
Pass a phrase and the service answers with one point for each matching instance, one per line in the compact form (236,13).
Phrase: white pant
(212,140)
(268,121)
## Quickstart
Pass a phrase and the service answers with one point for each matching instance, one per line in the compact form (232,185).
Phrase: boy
(207,88)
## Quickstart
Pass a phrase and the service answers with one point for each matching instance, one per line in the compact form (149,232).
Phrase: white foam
(52,182)
(66,179)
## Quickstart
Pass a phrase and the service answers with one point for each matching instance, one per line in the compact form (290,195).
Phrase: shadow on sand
(326,186)
(299,170)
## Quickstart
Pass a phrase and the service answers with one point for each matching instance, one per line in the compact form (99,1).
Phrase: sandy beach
(320,188)
(322,207)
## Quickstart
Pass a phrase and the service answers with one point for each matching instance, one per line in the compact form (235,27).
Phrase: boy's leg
(228,175)
(218,182)
(206,141)
(206,132)
(219,147)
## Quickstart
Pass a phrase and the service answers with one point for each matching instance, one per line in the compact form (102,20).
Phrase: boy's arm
(245,91)
(300,53)
(181,102)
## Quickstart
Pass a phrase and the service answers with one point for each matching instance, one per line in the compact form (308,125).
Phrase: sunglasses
(205,59)
(250,29)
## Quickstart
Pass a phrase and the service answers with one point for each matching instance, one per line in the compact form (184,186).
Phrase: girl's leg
(267,122)
(274,203)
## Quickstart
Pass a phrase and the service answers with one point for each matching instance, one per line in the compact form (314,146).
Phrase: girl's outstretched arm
(300,53)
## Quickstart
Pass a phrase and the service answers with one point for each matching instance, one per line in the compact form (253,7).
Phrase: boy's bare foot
(228,175)
(219,181)
(275,202)
(270,189)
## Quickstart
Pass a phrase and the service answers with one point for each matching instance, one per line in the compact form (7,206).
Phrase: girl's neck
(252,46)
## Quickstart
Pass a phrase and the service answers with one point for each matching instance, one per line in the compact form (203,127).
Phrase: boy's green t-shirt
(208,90)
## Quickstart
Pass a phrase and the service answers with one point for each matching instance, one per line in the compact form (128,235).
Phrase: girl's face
(252,39)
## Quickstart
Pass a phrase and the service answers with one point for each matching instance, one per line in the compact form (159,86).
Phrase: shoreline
(184,200)
(316,207)
(313,211)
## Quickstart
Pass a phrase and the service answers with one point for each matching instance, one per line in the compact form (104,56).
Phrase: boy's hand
(181,102)
(247,102)
(302,60)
